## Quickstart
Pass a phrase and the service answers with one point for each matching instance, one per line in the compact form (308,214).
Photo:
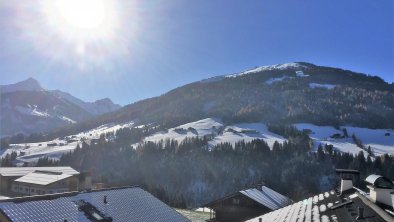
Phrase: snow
(247,132)
(31,152)
(103,129)
(273,80)
(209,126)
(67,119)
(32,111)
(301,74)
(220,132)
(375,138)
(285,66)
(317,85)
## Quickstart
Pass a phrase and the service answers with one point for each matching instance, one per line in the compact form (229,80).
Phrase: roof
(379,181)
(42,178)
(21,171)
(264,196)
(123,205)
(327,206)
(267,197)
(348,171)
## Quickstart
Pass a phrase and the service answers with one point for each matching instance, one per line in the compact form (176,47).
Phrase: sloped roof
(267,197)
(21,171)
(124,205)
(42,178)
(324,207)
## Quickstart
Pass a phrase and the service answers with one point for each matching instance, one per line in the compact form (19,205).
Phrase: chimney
(347,177)
(360,214)
(380,189)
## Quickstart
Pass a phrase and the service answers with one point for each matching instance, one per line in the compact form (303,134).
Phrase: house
(125,204)
(44,182)
(246,204)
(348,203)
(19,181)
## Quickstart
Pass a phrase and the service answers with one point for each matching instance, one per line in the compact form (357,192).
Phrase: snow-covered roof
(123,205)
(42,178)
(267,197)
(379,181)
(325,207)
(21,171)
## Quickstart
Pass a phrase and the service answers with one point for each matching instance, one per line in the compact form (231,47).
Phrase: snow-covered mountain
(287,93)
(27,108)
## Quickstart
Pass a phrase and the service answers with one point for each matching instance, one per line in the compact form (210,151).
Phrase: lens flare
(81,33)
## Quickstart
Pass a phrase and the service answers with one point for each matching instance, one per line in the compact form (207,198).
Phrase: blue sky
(172,43)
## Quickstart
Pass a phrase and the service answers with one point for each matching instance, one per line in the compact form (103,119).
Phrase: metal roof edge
(59,195)
(379,211)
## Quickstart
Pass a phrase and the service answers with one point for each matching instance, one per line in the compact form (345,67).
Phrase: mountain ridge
(26,107)
(319,95)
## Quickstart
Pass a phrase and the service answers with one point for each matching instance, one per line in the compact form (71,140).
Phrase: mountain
(286,93)
(96,108)
(27,108)
(29,84)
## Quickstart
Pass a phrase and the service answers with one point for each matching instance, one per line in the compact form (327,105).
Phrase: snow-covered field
(220,132)
(31,152)
(381,141)
(247,132)
(317,85)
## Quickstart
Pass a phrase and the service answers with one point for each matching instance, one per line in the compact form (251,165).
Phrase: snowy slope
(292,65)
(209,126)
(378,139)
(317,85)
(247,132)
(31,152)
(220,132)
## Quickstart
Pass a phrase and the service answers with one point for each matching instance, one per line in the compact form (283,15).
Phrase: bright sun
(88,14)
(82,18)
(86,34)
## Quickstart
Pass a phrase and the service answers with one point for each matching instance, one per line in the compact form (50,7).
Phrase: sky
(147,48)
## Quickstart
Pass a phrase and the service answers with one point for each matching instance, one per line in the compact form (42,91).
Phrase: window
(32,190)
(235,201)
(43,192)
(26,189)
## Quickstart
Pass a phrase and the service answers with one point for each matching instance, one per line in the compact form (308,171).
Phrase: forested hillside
(289,93)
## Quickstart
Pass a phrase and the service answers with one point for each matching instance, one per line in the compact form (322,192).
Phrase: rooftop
(42,178)
(325,207)
(118,204)
(264,196)
(21,171)
(267,197)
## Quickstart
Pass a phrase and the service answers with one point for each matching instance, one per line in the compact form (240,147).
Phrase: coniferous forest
(191,173)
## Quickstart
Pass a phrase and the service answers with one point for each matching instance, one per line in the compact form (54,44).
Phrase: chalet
(348,203)
(20,181)
(116,204)
(246,204)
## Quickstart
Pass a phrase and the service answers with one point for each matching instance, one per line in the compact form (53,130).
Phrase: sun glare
(89,14)
(86,18)
(86,34)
